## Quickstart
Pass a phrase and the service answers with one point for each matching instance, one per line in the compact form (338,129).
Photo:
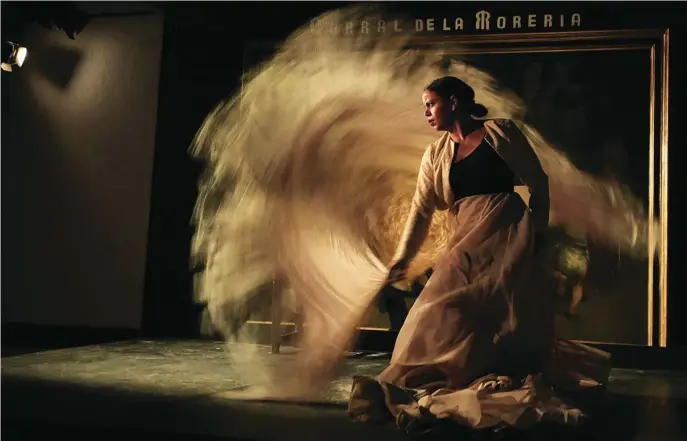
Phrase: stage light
(17,57)
(22,52)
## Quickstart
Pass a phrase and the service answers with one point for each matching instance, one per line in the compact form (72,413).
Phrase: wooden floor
(189,390)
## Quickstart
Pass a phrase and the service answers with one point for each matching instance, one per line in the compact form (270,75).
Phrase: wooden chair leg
(276,317)
(299,323)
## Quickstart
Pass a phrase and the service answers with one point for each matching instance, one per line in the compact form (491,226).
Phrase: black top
(481,172)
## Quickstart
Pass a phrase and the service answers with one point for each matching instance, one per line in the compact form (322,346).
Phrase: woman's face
(438,111)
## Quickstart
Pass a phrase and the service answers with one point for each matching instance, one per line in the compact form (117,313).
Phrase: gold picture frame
(656,42)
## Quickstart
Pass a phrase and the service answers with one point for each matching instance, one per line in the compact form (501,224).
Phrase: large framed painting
(602,98)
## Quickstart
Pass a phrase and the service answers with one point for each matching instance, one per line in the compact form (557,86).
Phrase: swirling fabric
(310,171)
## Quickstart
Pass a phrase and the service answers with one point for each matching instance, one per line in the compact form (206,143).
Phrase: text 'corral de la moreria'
(483,21)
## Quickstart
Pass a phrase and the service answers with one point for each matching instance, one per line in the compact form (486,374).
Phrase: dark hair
(446,87)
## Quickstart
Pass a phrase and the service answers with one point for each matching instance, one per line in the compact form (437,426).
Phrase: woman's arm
(420,215)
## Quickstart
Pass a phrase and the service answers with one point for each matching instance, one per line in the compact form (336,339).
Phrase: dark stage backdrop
(203,58)
(78,138)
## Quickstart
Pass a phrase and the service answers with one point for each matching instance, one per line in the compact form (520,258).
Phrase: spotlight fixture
(17,57)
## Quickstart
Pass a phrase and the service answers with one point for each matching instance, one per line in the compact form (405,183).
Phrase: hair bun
(478,110)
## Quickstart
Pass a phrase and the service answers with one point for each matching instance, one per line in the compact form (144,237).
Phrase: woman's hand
(397,271)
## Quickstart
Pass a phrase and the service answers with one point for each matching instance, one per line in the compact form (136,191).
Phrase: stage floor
(193,388)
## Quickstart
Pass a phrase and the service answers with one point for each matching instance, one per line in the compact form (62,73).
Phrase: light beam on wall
(16,58)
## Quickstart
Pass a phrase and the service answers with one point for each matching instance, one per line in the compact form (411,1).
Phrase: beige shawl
(433,191)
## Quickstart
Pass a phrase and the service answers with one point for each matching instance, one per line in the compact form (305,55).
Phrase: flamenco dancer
(485,312)
(322,150)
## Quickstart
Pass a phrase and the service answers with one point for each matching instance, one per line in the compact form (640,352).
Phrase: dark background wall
(78,137)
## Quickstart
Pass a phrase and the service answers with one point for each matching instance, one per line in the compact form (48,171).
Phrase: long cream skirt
(478,345)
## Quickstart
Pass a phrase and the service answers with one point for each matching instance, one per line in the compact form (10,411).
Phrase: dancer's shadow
(56,63)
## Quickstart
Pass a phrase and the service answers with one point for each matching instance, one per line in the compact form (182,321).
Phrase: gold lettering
(381,26)
(576,18)
(482,23)
(483,18)
(531,21)
(517,23)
